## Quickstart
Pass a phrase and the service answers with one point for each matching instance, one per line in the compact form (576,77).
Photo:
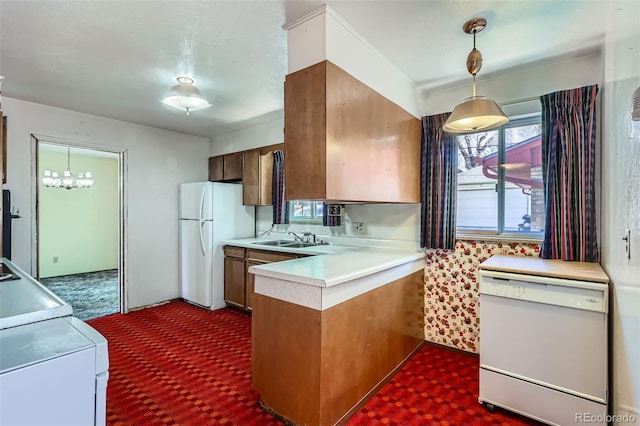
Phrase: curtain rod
(520,101)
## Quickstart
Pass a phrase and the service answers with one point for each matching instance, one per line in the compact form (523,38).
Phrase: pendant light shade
(185,96)
(476,113)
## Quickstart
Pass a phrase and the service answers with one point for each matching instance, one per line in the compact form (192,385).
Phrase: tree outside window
(500,180)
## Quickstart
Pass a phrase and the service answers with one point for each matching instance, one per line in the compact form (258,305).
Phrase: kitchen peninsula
(327,329)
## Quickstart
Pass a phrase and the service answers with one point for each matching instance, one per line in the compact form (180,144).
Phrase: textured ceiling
(117,59)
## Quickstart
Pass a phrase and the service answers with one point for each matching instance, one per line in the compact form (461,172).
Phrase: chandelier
(68,180)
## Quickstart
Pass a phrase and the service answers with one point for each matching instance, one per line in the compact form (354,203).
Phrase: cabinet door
(251,178)
(234,281)
(216,172)
(305,109)
(266,179)
(232,166)
(251,280)
(257,178)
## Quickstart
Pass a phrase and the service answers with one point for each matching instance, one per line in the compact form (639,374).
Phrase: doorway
(79,228)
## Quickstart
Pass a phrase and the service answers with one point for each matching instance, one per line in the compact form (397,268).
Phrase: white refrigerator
(210,213)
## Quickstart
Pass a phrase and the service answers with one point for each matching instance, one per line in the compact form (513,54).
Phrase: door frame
(122,153)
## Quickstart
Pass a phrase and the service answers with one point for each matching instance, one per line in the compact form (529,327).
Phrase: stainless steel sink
(275,243)
(297,244)
(285,243)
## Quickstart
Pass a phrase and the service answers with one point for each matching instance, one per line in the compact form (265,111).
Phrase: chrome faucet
(296,237)
(307,237)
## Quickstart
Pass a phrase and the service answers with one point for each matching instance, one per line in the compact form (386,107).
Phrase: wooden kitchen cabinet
(234,276)
(238,281)
(346,142)
(216,173)
(261,257)
(226,168)
(257,178)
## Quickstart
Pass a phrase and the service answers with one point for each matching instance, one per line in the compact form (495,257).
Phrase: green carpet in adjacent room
(91,295)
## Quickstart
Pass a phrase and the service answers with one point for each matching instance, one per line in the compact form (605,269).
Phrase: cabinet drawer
(231,251)
(269,256)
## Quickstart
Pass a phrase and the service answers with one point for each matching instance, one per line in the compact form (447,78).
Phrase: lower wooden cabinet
(238,281)
(234,276)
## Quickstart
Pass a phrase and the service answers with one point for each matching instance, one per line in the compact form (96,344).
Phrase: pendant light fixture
(477,113)
(185,96)
(68,180)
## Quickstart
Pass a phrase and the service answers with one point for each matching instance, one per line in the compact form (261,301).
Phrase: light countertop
(586,271)
(25,300)
(330,265)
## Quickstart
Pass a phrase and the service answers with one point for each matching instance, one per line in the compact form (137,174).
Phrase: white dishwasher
(543,341)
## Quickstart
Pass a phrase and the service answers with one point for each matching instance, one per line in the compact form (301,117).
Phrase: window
(500,180)
(305,211)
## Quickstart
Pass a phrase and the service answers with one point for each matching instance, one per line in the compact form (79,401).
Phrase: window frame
(313,220)
(499,233)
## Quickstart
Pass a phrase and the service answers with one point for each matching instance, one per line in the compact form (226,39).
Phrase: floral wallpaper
(451,290)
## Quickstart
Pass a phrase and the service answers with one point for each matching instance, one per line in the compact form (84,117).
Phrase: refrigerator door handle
(202,223)
(202,203)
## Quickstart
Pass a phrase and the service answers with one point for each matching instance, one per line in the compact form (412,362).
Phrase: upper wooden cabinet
(257,178)
(216,171)
(226,168)
(346,142)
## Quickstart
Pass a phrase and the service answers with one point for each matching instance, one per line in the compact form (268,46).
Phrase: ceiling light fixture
(68,180)
(185,96)
(477,113)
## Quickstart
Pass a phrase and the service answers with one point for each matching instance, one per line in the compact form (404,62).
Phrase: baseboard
(153,305)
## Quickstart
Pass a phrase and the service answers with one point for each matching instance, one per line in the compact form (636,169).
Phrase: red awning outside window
(519,160)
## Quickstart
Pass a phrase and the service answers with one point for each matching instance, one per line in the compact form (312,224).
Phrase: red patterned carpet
(176,364)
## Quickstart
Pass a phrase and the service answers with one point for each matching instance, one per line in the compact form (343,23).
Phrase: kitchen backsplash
(381,221)
(452,315)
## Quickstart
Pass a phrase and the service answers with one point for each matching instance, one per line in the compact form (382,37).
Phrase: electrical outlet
(358,228)
(55,259)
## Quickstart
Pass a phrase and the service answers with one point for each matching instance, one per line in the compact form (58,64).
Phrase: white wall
(621,203)
(532,81)
(269,133)
(158,160)
(79,228)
